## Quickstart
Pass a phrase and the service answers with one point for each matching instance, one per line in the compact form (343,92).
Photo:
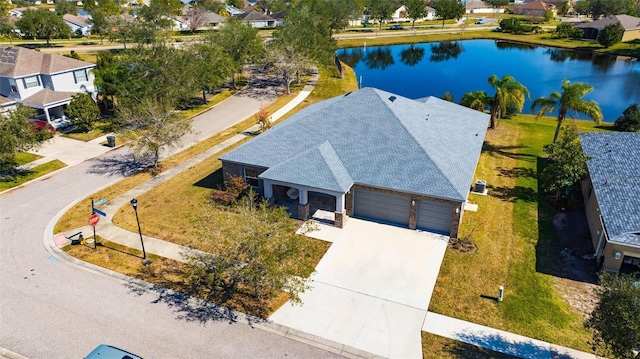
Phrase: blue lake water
(431,69)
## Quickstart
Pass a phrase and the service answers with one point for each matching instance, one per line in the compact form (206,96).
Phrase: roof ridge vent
(392,98)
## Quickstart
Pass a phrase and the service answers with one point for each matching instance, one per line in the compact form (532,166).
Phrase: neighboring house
(45,82)
(401,14)
(630,24)
(211,19)
(369,154)
(612,199)
(479,7)
(536,8)
(17,12)
(258,19)
(78,23)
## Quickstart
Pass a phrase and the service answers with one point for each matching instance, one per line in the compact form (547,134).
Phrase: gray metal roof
(381,139)
(614,168)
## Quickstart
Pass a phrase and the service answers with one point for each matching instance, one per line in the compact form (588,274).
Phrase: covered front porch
(50,106)
(305,202)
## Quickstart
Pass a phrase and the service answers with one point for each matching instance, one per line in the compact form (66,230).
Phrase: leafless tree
(196,17)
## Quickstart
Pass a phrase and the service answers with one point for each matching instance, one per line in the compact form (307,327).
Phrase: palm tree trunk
(495,110)
(560,118)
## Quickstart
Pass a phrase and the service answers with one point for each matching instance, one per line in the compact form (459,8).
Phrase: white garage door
(382,207)
(434,216)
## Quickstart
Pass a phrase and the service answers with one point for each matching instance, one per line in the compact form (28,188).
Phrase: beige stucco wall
(631,35)
(611,264)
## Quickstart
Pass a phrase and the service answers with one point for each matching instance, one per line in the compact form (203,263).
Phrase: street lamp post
(134,204)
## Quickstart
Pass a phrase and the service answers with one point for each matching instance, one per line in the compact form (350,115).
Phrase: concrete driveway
(371,290)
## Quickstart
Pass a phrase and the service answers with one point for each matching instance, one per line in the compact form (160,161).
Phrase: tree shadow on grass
(505,151)
(190,308)
(512,194)
(516,172)
(494,345)
(120,165)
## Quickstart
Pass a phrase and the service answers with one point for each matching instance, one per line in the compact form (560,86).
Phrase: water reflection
(403,69)
(445,50)
(352,56)
(412,55)
(506,45)
(603,62)
(379,58)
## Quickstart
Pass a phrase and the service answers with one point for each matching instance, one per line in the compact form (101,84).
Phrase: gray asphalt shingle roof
(428,147)
(323,161)
(614,168)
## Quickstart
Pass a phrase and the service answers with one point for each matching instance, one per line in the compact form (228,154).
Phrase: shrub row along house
(44,82)
(612,199)
(369,154)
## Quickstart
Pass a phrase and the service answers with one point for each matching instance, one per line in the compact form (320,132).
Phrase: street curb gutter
(6,353)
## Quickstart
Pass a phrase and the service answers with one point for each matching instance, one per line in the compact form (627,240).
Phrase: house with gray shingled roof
(612,198)
(369,154)
(630,24)
(45,82)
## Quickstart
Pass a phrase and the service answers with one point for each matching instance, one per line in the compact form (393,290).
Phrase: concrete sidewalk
(70,151)
(498,340)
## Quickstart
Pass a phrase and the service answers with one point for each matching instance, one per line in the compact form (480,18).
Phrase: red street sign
(94,219)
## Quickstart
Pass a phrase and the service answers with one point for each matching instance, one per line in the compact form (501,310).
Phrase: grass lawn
(28,175)
(22,158)
(510,228)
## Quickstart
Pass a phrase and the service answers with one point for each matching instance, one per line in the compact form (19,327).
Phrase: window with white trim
(80,75)
(251,177)
(31,81)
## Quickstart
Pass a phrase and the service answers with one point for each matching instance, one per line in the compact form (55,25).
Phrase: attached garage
(434,216)
(382,207)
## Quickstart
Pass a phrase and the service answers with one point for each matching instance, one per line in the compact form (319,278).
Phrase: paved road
(49,309)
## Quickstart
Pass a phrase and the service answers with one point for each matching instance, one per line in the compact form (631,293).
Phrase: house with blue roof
(369,154)
(612,198)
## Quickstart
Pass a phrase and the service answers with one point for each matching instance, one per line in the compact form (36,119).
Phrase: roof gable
(322,160)
(614,169)
(383,140)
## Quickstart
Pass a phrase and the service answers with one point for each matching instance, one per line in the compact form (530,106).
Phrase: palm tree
(571,99)
(508,92)
(478,100)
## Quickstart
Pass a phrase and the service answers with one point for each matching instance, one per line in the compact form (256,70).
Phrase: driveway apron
(372,288)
